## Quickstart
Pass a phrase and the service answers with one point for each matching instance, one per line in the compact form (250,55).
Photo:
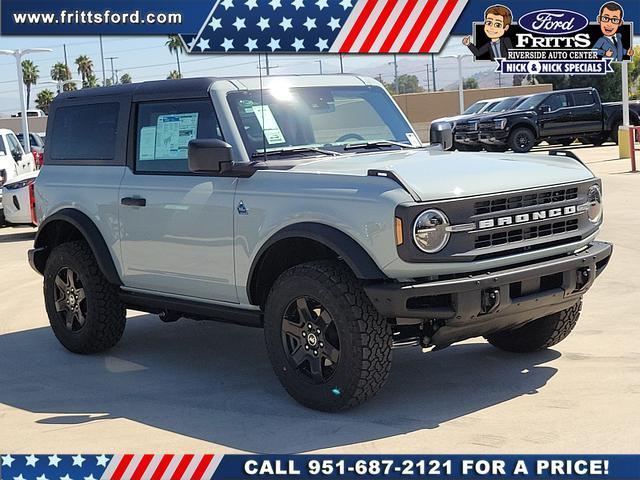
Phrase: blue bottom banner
(227,467)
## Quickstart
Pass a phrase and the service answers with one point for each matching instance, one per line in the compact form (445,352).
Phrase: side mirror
(212,156)
(17,156)
(441,135)
(545,109)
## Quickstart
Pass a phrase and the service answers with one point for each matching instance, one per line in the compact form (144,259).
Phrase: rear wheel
(565,142)
(327,343)
(84,310)
(615,130)
(2,220)
(522,140)
(539,334)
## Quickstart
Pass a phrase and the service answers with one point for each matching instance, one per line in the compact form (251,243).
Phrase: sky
(147,58)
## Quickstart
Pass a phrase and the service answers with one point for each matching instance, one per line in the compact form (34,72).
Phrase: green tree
(470,83)
(174,75)
(91,81)
(61,72)
(175,46)
(85,69)
(126,78)
(409,84)
(44,99)
(30,75)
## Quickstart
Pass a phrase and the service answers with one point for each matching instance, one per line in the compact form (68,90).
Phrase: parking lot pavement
(203,386)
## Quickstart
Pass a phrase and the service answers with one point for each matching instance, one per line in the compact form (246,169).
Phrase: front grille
(486,125)
(525,200)
(485,240)
(467,127)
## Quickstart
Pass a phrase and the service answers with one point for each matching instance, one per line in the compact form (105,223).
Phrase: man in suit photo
(497,19)
(610,44)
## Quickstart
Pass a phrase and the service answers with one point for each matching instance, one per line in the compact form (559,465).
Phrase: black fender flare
(356,258)
(88,230)
(526,124)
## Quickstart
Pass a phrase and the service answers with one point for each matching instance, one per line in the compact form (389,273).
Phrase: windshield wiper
(377,144)
(293,151)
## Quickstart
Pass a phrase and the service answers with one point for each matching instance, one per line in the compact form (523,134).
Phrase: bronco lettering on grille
(527,217)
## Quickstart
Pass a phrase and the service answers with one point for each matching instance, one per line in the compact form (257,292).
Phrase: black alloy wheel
(70,300)
(310,339)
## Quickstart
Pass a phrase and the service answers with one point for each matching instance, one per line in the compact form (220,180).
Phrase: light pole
(111,59)
(18,54)
(460,79)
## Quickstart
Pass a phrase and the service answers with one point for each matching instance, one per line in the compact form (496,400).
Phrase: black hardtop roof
(195,87)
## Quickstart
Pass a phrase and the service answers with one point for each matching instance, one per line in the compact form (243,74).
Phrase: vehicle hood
(436,175)
(456,118)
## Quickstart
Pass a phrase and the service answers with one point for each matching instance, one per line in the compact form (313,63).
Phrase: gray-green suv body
(307,206)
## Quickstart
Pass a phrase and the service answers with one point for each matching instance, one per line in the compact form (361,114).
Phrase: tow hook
(169,316)
(490,300)
(583,278)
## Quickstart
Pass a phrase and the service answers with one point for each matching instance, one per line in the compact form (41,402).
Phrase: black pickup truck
(556,117)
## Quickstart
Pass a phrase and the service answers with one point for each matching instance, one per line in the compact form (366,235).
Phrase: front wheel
(84,310)
(328,345)
(539,334)
(522,140)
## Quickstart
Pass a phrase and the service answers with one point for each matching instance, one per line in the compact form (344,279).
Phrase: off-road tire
(539,334)
(105,314)
(2,219)
(518,147)
(365,336)
(496,148)
(615,131)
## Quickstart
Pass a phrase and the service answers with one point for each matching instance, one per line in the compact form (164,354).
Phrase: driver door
(557,121)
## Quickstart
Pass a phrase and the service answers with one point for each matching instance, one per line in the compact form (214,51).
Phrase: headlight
(594,200)
(473,126)
(430,232)
(500,123)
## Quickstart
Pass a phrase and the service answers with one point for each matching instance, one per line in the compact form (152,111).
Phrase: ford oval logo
(553,22)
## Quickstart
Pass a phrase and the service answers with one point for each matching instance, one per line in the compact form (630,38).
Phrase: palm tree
(85,68)
(44,99)
(61,72)
(126,78)
(30,75)
(175,46)
(91,81)
(174,75)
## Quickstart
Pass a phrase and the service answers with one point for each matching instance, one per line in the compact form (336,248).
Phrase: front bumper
(493,137)
(468,138)
(483,303)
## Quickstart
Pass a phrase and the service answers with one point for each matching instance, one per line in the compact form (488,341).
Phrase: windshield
(532,102)
(475,108)
(504,105)
(330,118)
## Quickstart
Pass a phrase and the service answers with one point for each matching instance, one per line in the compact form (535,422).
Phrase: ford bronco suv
(307,206)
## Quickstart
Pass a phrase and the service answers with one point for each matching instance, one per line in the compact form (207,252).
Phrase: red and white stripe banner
(403,26)
(161,467)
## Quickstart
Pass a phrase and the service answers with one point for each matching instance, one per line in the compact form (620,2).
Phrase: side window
(583,99)
(3,148)
(85,132)
(165,129)
(14,144)
(557,101)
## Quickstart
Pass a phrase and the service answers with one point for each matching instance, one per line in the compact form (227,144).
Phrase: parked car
(13,161)
(33,112)
(475,109)
(555,117)
(304,205)
(467,132)
(19,200)
(37,146)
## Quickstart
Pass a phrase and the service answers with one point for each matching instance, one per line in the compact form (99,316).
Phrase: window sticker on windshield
(147,143)
(268,123)
(414,140)
(173,134)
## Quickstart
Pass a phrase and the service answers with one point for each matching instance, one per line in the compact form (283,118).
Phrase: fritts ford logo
(552,41)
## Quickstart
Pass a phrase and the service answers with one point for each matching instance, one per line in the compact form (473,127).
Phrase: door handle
(133,202)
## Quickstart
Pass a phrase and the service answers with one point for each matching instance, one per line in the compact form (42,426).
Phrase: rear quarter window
(84,132)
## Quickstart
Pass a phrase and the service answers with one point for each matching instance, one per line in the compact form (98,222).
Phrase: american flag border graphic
(326,26)
(110,467)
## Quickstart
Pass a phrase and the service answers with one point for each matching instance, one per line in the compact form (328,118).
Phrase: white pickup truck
(14,161)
